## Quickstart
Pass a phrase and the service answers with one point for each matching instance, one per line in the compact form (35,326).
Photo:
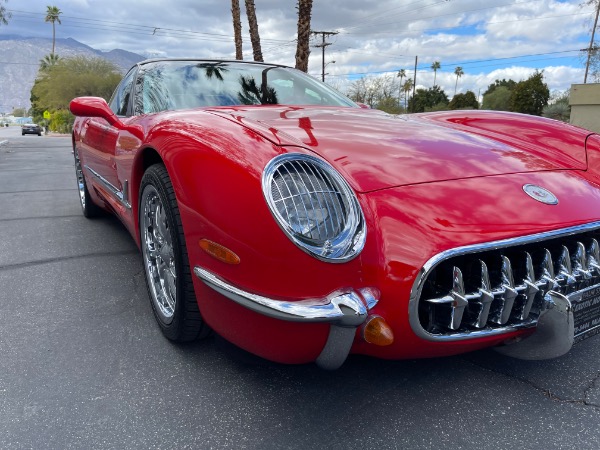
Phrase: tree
(530,96)
(498,99)
(468,100)
(428,99)
(558,108)
(435,67)
(19,112)
(52,15)
(253,25)
(374,91)
(389,105)
(55,87)
(401,74)
(407,87)
(237,28)
(509,84)
(459,73)
(4,15)
(48,61)
(303,47)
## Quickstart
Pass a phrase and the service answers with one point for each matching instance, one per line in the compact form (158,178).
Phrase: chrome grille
(504,288)
(309,199)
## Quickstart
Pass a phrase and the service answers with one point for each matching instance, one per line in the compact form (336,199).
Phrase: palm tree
(459,73)
(52,15)
(303,47)
(401,74)
(237,28)
(435,67)
(48,61)
(408,85)
(4,15)
(253,25)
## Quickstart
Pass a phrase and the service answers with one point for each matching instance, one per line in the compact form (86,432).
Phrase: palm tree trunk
(53,37)
(237,28)
(253,25)
(303,48)
(456,85)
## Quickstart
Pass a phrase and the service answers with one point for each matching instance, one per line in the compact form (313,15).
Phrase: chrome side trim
(344,312)
(413,306)
(119,195)
(343,309)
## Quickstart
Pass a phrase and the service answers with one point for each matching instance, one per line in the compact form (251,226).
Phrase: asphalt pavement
(83,364)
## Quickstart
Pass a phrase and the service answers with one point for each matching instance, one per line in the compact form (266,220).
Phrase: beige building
(585,106)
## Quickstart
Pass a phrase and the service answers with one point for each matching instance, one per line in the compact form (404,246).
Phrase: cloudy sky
(489,40)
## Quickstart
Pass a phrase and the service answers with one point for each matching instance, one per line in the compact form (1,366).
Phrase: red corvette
(302,227)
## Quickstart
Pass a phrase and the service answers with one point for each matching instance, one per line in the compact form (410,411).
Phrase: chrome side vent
(505,288)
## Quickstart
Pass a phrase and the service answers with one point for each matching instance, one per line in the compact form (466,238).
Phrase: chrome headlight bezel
(345,237)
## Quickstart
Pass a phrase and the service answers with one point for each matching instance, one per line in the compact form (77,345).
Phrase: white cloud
(375,35)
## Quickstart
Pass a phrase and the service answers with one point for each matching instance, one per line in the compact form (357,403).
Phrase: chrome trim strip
(344,312)
(353,313)
(120,196)
(413,305)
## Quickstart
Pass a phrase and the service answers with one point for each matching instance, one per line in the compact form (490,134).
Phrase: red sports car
(302,227)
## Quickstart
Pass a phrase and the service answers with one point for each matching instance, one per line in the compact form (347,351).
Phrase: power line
(137,29)
(423,68)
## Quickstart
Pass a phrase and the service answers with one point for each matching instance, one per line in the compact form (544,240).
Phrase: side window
(120,99)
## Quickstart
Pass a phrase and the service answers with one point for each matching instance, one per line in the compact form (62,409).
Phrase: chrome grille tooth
(565,270)
(486,297)
(593,255)
(531,289)
(547,280)
(456,299)
(505,295)
(580,264)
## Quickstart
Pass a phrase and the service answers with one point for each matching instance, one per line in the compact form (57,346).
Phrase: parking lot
(83,364)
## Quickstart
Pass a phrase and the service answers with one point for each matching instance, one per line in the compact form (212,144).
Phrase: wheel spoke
(166,253)
(161,223)
(159,254)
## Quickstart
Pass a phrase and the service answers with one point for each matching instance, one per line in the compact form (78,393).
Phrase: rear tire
(88,207)
(165,258)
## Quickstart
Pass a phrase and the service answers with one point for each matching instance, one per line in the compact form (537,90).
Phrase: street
(84,365)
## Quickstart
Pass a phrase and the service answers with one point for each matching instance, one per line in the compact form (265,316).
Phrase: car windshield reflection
(173,85)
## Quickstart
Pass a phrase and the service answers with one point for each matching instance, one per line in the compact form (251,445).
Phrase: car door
(100,140)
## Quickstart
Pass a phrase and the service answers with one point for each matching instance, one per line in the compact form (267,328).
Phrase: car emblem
(540,194)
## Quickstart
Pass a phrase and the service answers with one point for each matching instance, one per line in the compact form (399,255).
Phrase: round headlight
(314,206)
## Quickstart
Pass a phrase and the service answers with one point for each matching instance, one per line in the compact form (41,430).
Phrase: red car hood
(374,150)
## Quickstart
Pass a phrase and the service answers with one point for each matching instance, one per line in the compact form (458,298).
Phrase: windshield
(170,85)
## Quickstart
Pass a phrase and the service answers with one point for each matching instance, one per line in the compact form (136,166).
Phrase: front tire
(88,207)
(166,264)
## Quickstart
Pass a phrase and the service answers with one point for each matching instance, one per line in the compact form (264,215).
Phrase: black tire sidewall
(90,209)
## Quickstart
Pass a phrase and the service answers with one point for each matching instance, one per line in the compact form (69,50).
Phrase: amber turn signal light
(376,331)
(218,251)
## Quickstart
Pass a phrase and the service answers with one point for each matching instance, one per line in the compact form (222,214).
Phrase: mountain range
(20,60)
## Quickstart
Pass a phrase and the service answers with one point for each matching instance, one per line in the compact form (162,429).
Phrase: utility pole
(590,49)
(322,46)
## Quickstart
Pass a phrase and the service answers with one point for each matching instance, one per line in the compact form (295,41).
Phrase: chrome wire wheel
(159,254)
(80,181)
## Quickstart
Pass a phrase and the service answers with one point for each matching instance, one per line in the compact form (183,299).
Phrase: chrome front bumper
(343,311)
(553,336)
